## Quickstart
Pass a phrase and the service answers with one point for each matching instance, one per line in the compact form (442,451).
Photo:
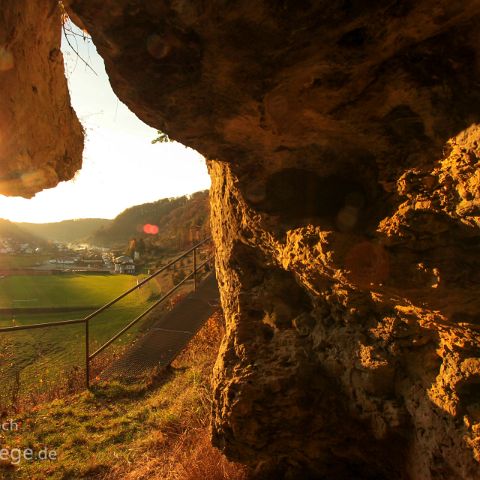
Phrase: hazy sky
(121,167)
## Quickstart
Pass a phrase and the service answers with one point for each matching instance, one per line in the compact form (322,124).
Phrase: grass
(156,429)
(34,362)
(66,290)
(8,261)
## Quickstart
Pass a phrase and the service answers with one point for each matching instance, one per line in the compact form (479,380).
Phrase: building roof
(123,259)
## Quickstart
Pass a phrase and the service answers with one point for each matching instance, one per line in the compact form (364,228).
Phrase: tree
(141,246)
(162,138)
(132,247)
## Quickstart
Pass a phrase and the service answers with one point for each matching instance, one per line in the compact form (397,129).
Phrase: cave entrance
(121,167)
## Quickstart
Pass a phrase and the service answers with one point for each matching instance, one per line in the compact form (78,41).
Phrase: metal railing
(86,320)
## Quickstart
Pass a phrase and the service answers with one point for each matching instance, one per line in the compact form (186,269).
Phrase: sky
(121,167)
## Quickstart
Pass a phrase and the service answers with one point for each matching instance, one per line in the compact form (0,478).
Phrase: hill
(179,222)
(66,231)
(9,230)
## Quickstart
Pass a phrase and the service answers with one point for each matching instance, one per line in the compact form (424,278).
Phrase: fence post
(195,269)
(87,353)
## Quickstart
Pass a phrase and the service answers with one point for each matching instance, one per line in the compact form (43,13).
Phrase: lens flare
(150,229)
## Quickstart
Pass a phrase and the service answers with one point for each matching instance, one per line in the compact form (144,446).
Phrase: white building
(124,264)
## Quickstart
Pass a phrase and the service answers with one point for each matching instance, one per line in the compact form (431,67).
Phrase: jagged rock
(41,139)
(343,141)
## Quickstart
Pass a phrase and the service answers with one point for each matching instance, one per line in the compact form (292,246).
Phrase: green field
(35,360)
(66,290)
(21,261)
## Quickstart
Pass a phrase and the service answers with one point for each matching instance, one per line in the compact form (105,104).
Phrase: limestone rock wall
(343,140)
(352,355)
(41,139)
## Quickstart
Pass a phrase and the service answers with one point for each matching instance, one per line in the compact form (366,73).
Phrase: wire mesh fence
(52,356)
(117,317)
(105,365)
(40,364)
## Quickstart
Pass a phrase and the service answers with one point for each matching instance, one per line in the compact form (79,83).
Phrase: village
(64,257)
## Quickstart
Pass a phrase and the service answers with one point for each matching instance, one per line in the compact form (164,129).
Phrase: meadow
(21,261)
(66,290)
(40,360)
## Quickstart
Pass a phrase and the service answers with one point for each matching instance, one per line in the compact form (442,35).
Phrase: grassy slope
(155,429)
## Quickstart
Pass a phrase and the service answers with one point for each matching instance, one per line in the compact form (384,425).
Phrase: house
(66,261)
(124,264)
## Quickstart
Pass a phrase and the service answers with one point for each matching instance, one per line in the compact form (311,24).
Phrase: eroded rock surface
(344,145)
(41,139)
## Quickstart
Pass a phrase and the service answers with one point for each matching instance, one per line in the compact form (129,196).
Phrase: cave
(343,144)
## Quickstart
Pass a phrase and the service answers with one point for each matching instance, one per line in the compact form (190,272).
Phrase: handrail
(149,309)
(144,281)
(107,305)
(86,320)
(41,325)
